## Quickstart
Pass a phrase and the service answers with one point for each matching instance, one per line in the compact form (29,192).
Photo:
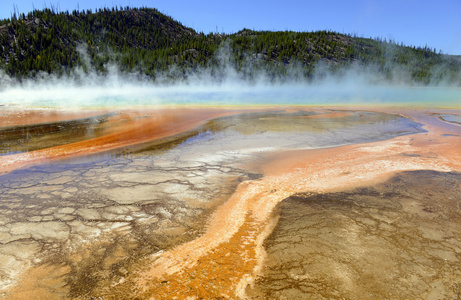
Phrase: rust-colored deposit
(125,128)
(336,114)
(229,255)
(223,261)
(234,259)
(13,117)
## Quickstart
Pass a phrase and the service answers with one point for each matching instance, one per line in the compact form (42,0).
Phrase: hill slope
(48,41)
(150,43)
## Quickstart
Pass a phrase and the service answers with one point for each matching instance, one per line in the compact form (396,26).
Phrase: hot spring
(238,191)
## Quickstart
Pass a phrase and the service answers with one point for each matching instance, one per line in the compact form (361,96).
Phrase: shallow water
(24,138)
(349,92)
(451,118)
(86,223)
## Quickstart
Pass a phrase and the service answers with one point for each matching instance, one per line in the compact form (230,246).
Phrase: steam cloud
(356,85)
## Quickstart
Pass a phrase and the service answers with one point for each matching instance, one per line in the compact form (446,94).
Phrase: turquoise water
(451,118)
(229,94)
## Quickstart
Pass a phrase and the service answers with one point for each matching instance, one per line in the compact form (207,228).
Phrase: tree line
(146,41)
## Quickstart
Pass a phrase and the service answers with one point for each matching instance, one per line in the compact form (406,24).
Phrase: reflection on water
(17,139)
(451,118)
(84,223)
(249,133)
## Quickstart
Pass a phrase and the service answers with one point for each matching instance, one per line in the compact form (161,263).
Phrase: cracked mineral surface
(400,239)
(171,203)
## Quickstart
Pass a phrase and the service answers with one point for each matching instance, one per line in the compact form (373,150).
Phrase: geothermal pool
(274,202)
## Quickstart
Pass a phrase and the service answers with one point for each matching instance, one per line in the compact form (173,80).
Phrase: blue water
(230,94)
(451,118)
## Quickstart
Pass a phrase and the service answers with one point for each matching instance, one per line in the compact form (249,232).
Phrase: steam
(224,85)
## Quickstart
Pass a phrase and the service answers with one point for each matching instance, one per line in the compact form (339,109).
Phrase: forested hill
(144,41)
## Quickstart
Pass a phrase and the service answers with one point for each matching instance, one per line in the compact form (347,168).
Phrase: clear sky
(436,24)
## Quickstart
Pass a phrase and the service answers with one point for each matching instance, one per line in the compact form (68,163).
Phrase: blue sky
(436,24)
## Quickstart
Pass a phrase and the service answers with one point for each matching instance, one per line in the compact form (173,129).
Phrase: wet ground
(452,118)
(400,239)
(82,227)
(30,137)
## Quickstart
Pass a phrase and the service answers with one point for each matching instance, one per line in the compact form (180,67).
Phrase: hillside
(52,42)
(147,42)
